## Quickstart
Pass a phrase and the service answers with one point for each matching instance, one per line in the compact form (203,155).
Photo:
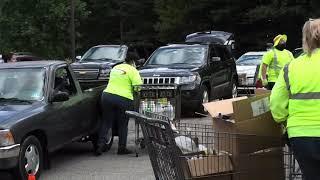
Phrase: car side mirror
(60,97)
(215,59)
(78,58)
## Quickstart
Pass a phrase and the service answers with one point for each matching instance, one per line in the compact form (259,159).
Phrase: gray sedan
(247,66)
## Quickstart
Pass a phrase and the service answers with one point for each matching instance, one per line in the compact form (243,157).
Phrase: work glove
(264,82)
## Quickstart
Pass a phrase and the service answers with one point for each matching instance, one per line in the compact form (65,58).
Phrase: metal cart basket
(195,151)
(161,99)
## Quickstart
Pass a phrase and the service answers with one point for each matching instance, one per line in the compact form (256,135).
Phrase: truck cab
(42,108)
(93,68)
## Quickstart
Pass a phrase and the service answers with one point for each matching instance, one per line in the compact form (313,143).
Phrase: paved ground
(76,162)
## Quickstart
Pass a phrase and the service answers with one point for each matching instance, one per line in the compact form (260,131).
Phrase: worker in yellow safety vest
(295,99)
(274,60)
(116,99)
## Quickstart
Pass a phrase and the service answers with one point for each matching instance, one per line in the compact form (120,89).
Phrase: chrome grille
(86,73)
(159,80)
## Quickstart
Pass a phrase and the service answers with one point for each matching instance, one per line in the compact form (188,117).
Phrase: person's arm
(136,80)
(279,100)
(264,71)
(266,60)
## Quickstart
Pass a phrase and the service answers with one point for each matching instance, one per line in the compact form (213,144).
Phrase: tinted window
(249,60)
(23,84)
(213,52)
(105,53)
(179,55)
(223,53)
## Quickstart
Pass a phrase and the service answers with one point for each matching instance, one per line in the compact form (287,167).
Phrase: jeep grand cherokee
(205,71)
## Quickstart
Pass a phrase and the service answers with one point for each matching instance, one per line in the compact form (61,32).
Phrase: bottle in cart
(159,108)
(142,106)
(171,113)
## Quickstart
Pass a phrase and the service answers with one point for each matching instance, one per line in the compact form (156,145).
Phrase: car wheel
(205,98)
(109,140)
(30,159)
(233,91)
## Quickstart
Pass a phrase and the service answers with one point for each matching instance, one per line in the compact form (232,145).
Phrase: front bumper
(190,99)
(246,90)
(9,156)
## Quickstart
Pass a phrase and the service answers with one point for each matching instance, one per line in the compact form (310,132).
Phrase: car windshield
(105,53)
(183,55)
(249,60)
(22,84)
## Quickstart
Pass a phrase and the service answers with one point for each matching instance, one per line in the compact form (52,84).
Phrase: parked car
(94,67)
(219,37)
(42,108)
(205,71)
(297,52)
(1,60)
(247,68)
(24,56)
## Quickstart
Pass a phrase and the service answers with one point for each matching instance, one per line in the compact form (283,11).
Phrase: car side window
(63,81)
(226,53)
(213,53)
(220,52)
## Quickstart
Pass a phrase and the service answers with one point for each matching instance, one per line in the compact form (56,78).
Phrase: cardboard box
(261,91)
(247,115)
(249,130)
(209,165)
(250,127)
(263,165)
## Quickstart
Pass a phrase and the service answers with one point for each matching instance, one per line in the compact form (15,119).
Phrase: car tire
(234,90)
(204,98)
(30,159)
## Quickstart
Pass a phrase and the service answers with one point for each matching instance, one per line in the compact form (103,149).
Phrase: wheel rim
(32,159)
(234,91)
(205,99)
(109,136)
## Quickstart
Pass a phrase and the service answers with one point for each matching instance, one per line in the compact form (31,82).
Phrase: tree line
(43,26)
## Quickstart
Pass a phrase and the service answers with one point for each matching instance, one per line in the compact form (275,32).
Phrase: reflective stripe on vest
(275,63)
(298,96)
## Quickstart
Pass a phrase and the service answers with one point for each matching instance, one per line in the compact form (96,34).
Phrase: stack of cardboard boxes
(248,133)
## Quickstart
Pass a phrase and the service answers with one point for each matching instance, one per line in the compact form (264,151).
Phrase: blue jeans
(307,152)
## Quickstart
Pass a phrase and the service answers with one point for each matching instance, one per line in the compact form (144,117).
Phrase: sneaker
(123,151)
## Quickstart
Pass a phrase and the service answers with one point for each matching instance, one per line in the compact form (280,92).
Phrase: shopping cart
(163,100)
(196,151)
(293,171)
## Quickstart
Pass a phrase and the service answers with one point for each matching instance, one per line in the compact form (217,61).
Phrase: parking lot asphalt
(77,162)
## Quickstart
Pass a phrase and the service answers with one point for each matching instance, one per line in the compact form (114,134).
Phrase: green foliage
(42,26)
(37,26)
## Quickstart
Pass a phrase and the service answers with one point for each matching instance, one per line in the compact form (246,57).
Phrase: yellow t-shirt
(123,78)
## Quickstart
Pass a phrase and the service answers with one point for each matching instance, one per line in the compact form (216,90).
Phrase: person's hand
(264,82)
